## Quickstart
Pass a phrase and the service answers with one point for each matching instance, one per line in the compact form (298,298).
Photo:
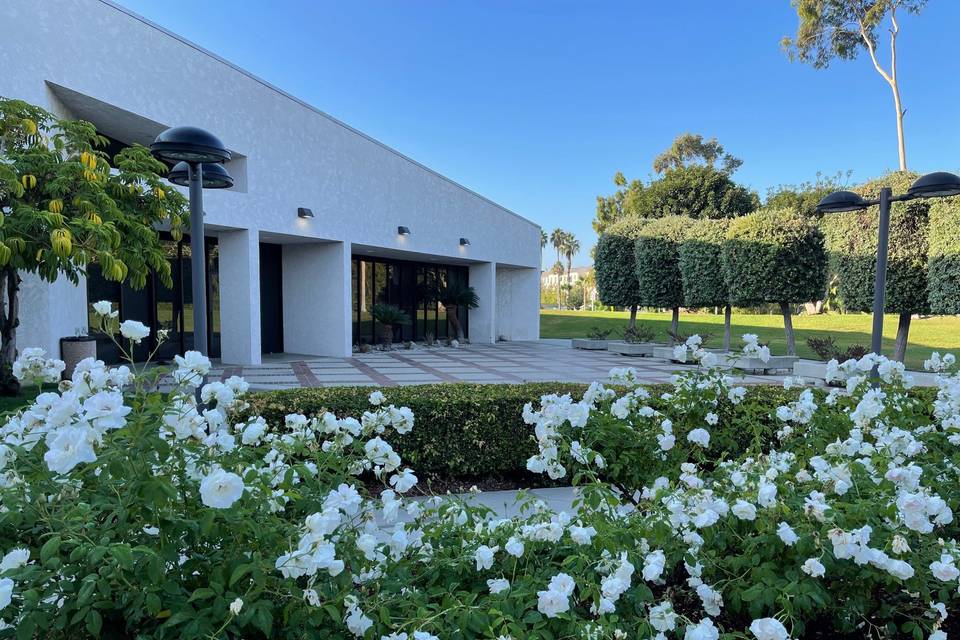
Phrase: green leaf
(123,555)
(239,572)
(93,622)
(202,594)
(49,549)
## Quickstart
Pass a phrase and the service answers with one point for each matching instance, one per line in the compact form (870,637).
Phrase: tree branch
(873,53)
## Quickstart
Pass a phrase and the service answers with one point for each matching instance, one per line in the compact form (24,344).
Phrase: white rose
(744,510)
(768,629)
(813,568)
(134,330)
(220,489)
(703,630)
(102,308)
(700,437)
(787,534)
(498,585)
(236,606)
(6,592)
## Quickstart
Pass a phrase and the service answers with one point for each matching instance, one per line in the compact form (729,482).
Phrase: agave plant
(389,315)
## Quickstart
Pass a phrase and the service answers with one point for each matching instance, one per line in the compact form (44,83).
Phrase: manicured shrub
(852,245)
(701,269)
(657,262)
(775,256)
(615,267)
(944,258)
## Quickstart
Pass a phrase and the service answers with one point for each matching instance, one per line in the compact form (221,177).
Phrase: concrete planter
(776,364)
(589,345)
(637,349)
(75,349)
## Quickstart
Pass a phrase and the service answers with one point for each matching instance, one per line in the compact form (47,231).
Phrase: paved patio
(505,362)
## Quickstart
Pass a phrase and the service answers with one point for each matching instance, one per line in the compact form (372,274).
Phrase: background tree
(804,197)
(62,208)
(775,256)
(615,266)
(852,243)
(689,149)
(657,262)
(944,256)
(557,270)
(455,296)
(697,192)
(624,203)
(557,238)
(701,269)
(831,29)
(571,246)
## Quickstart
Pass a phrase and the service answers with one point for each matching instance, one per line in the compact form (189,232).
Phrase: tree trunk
(903,331)
(788,328)
(388,335)
(727,312)
(633,317)
(455,321)
(674,324)
(9,321)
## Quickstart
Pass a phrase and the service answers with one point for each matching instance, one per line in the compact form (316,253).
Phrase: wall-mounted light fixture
(403,231)
(303,212)
(464,242)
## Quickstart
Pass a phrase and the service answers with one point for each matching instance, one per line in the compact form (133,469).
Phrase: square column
(518,303)
(483,319)
(317,299)
(240,297)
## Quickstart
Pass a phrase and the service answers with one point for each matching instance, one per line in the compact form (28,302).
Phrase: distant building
(548,282)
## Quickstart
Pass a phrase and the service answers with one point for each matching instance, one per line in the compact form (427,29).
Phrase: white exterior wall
(518,303)
(132,80)
(316,304)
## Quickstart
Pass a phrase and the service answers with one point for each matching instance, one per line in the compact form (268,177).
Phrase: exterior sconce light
(403,231)
(464,242)
(303,212)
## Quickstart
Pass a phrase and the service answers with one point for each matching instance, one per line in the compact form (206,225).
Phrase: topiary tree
(701,270)
(852,244)
(775,256)
(614,266)
(943,291)
(656,257)
(62,208)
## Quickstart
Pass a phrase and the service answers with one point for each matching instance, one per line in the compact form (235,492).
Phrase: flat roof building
(277,281)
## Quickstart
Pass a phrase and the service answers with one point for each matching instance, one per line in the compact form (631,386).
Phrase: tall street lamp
(199,156)
(939,184)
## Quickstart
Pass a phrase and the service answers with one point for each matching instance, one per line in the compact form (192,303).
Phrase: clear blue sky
(537,104)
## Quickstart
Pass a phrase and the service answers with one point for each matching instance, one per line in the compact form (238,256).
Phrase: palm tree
(456,295)
(389,316)
(571,246)
(557,238)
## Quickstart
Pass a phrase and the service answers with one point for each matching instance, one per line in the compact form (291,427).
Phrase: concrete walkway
(505,362)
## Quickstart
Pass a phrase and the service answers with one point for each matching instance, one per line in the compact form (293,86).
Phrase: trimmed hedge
(944,256)
(852,245)
(701,265)
(470,430)
(614,266)
(657,263)
(774,256)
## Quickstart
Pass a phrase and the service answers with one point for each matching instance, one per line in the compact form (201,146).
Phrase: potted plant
(637,341)
(596,340)
(453,296)
(389,316)
(826,349)
(75,348)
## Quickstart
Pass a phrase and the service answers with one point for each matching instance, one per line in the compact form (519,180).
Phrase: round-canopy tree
(701,269)
(656,249)
(775,256)
(852,244)
(614,266)
(62,208)
(944,258)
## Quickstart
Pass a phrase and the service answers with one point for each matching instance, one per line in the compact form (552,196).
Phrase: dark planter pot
(74,349)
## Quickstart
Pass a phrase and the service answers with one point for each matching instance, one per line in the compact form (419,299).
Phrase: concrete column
(317,299)
(518,303)
(240,297)
(483,319)
(50,311)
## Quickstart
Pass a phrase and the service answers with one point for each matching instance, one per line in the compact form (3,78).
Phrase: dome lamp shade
(215,176)
(839,201)
(935,185)
(189,144)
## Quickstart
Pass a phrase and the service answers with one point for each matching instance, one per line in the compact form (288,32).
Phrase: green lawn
(935,333)
(26,396)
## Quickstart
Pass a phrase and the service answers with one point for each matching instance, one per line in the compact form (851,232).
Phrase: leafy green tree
(62,208)
(697,192)
(830,29)
(624,203)
(944,256)
(571,246)
(804,198)
(656,256)
(615,266)
(575,295)
(688,149)
(775,256)
(557,238)
(852,243)
(701,269)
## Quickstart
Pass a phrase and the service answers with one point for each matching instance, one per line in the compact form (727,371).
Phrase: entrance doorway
(271,298)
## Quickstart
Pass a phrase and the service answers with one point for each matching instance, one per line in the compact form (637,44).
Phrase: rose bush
(128,510)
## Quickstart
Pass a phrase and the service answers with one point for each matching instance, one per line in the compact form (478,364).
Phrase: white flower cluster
(34,367)
(753,349)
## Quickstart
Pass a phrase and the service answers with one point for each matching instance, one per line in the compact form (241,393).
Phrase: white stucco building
(278,282)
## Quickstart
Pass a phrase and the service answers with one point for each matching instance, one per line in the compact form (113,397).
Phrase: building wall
(92,59)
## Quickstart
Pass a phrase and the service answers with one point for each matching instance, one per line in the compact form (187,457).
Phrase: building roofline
(114,5)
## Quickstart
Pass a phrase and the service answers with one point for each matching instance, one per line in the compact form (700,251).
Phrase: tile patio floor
(534,361)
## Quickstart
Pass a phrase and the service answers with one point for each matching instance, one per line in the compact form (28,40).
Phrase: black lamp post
(933,185)
(199,156)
